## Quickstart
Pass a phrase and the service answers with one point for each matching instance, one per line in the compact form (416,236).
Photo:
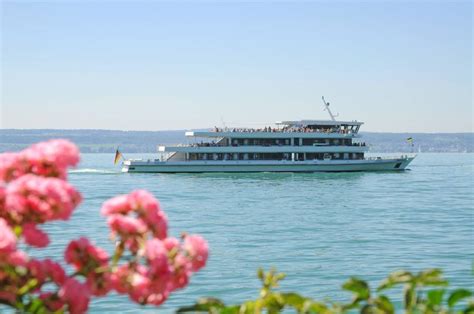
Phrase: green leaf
(249,307)
(431,277)
(234,309)
(367,309)
(315,307)
(260,274)
(36,306)
(435,297)
(30,284)
(384,304)
(396,278)
(294,300)
(209,305)
(458,295)
(409,297)
(18,230)
(359,287)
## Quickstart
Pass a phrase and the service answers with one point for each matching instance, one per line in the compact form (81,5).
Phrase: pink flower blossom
(126,226)
(34,236)
(7,238)
(144,205)
(10,166)
(2,200)
(171,244)
(36,199)
(156,222)
(17,258)
(47,159)
(117,205)
(180,273)
(52,301)
(8,297)
(120,278)
(37,270)
(76,295)
(157,257)
(54,271)
(139,286)
(148,209)
(51,158)
(82,254)
(197,249)
(99,283)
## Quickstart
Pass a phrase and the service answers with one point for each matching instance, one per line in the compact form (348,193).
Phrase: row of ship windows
(282,142)
(275,156)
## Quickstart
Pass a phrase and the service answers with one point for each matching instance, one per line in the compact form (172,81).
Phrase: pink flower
(7,238)
(37,270)
(34,236)
(2,200)
(144,205)
(8,297)
(149,211)
(180,273)
(157,298)
(51,158)
(156,222)
(36,199)
(52,301)
(10,166)
(99,283)
(47,159)
(54,271)
(139,286)
(83,255)
(126,226)
(120,278)
(171,244)
(17,258)
(76,295)
(117,205)
(157,257)
(197,249)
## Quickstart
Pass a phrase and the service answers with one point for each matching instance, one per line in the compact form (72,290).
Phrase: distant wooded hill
(106,141)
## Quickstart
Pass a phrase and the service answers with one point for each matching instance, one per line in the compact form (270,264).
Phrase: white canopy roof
(318,122)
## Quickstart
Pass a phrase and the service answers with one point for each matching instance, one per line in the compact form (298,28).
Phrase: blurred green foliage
(424,292)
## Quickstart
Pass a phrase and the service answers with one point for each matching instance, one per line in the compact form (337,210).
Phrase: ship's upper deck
(288,129)
(316,123)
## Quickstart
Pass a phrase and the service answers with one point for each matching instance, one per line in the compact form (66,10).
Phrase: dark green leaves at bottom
(458,295)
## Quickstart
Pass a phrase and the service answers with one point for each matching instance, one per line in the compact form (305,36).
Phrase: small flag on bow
(118,155)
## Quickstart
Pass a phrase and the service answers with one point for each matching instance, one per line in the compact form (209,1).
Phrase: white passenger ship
(290,146)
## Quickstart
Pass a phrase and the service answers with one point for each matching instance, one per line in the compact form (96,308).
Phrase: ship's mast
(326,104)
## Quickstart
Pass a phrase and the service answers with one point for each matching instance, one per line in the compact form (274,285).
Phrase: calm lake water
(317,228)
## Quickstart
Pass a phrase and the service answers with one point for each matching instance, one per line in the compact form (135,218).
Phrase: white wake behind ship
(290,146)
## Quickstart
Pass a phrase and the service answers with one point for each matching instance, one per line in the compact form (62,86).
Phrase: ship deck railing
(283,130)
(388,157)
(207,144)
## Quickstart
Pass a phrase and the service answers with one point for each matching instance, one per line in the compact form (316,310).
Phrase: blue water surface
(318,228)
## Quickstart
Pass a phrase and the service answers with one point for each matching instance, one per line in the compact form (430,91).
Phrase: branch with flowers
(146,264)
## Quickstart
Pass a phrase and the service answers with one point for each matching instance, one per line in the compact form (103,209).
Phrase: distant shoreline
(106,141)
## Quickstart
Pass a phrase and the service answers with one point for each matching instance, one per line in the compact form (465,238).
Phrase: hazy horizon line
(195,129)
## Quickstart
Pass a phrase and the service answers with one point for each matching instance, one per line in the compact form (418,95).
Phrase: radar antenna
(224,126)
(326,105)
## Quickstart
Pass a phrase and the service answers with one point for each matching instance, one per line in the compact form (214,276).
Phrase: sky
(399,66)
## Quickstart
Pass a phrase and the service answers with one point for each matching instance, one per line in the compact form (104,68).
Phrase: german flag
(118,155)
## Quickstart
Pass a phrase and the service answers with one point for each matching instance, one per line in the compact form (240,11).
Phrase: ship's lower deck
(375,164)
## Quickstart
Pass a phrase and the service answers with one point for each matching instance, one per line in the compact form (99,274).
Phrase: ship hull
(151,166)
